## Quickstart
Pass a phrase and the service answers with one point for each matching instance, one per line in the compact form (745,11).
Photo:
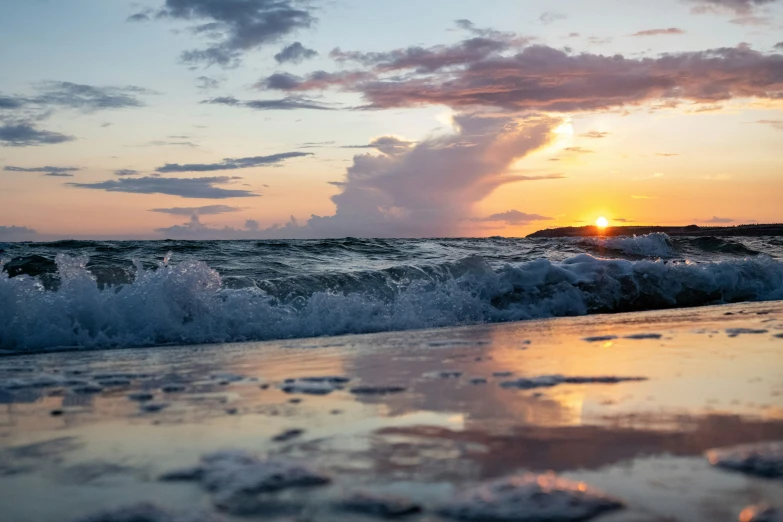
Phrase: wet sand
(81,432)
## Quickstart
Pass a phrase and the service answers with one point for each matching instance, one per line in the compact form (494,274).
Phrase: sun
(602,222)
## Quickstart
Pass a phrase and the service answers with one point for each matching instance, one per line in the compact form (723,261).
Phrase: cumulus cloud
(659,32)
(14,233)
(232,163)
(235,27)
(515,217)
(126,172)
(58,170)
(195,229)
(295,53)
(487,72)
(284,104)
(26,134)
(717,220)
(209,210)
(428,190)
(203,188)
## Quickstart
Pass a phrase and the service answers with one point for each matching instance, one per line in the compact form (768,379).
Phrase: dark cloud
(195,229)
(515,217)
(25,134)
(658,32)
(138,17)
(387,144)
(285,104)
(126,172)
(236,26)
(47,168)
(738,7)
(232,163)
(295,53)
(203,188)
(59,174)
(52,95)
(538,77)
(779,46)
(717,220)
(205,83)
(594,134)
(549,17)
(777,124)
(14,233)
(209,210)
(316,144)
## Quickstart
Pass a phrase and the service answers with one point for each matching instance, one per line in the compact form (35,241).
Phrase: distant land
(690,230)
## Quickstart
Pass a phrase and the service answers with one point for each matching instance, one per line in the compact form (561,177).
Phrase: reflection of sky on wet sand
(633,439)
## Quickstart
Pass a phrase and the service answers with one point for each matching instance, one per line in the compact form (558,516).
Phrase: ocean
(115,294)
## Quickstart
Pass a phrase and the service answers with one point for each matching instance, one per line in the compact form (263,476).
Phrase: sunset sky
(332,118)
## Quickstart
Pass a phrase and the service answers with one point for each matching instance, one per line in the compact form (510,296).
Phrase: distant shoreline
(689,230)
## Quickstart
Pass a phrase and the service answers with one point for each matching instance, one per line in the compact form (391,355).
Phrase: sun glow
(602,222)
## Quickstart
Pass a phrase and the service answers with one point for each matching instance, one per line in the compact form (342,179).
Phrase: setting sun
(602,222)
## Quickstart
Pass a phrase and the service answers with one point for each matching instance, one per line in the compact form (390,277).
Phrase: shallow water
(706,382)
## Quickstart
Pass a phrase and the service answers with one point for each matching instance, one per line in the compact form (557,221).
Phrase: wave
(656,244)
(189,302)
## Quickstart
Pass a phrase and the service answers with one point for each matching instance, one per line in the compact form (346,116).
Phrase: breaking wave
(189,302)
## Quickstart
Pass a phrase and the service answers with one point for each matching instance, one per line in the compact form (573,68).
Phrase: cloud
(203,188)
(195,229)
(659,32)
(623,220)
(515,217)
(205,83)
(316,144)
(779,46)
(232,163)
(656,175)
(549,17)
(666,154)
(594,134)
(209,210)
(716,219)
(58,170)
(579,150)
(295,53)
(165,143)
(235,27)
(737,7)
(14,233)
(777,124)
(387,144)
(428,190)
(285,104)
(508,74)
(126,172)
(59,174)
(25,134)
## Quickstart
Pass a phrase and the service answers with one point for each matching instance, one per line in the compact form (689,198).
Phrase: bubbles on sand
(764,459)
(530,497)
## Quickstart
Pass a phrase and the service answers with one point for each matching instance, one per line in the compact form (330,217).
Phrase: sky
(238,119)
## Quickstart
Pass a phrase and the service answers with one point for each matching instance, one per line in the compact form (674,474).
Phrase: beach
(624,403)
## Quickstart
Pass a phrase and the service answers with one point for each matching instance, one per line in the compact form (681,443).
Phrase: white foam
(527,498)
(764,459)
(188,303)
